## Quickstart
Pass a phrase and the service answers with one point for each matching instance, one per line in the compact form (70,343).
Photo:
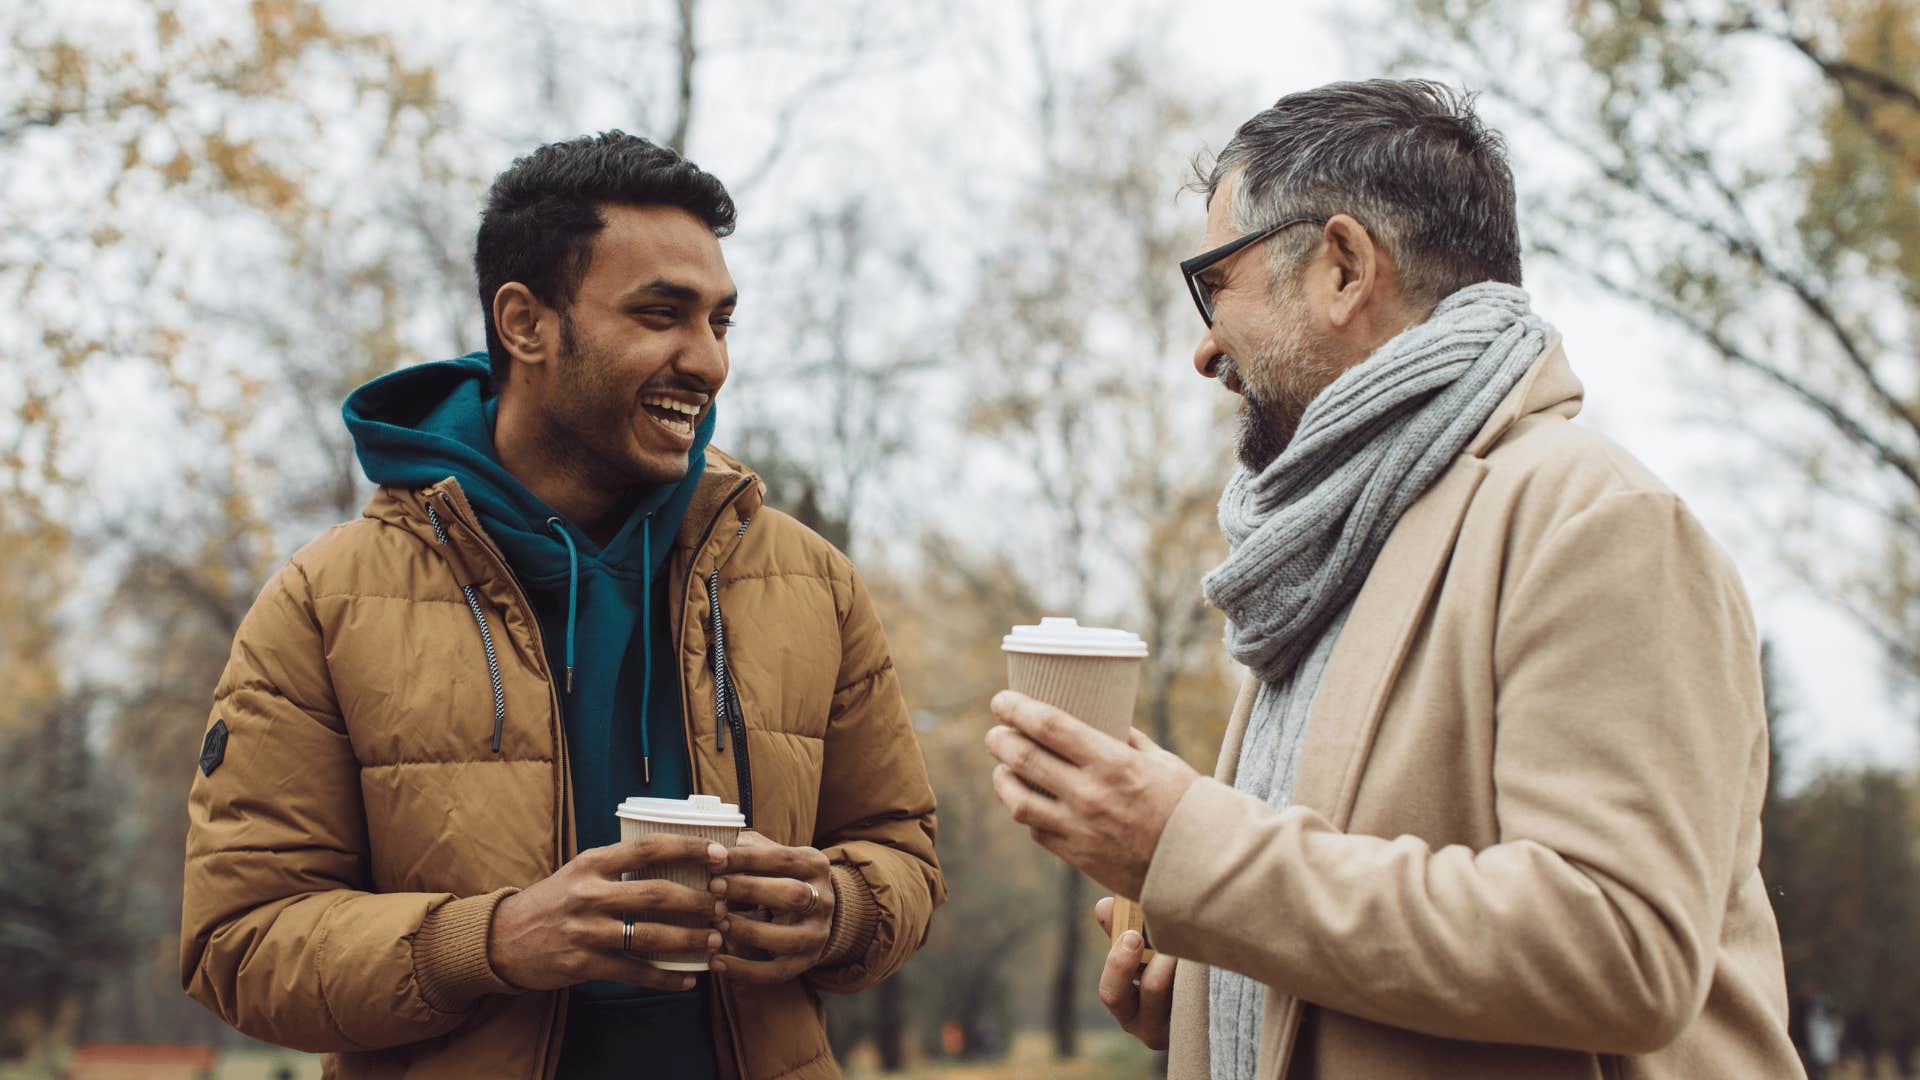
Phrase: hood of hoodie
(422,424)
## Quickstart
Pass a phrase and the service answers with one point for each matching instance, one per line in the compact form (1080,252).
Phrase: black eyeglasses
(1192,268)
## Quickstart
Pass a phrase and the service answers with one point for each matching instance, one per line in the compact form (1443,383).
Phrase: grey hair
(1407,158)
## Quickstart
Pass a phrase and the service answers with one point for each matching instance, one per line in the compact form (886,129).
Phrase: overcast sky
(1641,375)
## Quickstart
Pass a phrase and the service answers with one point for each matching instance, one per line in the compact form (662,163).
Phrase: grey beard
(1265,431)
(1266,427)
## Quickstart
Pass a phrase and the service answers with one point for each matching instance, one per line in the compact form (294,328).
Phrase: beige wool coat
(1525,835)
(345,856)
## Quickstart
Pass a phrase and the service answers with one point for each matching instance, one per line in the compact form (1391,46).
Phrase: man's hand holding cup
(1089,798)
(590,921)
(780,903)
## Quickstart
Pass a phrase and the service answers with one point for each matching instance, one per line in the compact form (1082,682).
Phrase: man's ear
(529,330)
(1356,264)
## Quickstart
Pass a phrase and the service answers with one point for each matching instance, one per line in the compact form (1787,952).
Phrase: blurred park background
(963,356)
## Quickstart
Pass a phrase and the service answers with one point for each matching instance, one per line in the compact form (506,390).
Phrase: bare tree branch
(1735,354)
(1747,247)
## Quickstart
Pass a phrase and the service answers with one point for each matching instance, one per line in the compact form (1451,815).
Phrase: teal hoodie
(603,620)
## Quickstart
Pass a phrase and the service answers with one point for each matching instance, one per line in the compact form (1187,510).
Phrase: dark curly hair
(542,214)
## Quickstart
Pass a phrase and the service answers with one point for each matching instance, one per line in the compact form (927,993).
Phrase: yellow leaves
(65,73)
(178,169)
(67,349)
(166,26)
(244,170)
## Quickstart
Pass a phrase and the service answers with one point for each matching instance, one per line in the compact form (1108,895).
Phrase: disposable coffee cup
(1093,674)
(703,817)
(1088,672)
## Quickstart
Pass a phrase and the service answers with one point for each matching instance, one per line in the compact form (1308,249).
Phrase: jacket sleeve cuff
(450,953)
(1182,877)
(855,916)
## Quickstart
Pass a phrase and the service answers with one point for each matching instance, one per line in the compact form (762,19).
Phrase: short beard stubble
(1285,375)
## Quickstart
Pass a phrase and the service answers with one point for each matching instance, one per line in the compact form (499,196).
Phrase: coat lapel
(1353,691)
(1236,731)
(1387,615)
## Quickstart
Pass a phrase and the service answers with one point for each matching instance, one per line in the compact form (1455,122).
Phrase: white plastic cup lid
(1066,637)
(692,810)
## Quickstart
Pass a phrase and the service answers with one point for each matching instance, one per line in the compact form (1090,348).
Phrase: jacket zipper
(563,779)
(486,635)
(727,713)
(724,992)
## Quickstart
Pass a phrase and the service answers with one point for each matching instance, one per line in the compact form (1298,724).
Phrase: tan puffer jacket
(345,855)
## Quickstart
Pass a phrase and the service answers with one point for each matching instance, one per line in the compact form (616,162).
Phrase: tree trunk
(683,114)
(1066,977)
(890,1023)
(1160,710)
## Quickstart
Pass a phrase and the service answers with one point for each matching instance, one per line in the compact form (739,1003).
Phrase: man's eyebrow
(674,290)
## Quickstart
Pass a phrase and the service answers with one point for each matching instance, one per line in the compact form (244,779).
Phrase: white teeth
(671,405)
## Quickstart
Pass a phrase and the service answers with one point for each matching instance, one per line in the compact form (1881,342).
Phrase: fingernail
(713,942)
(686,983)
(724,925)
(718,886)
(716,855)
(720,909)
(1130,939)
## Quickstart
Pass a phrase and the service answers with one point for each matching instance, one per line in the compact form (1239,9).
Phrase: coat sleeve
(1629,728)
(875,820)
(280,935)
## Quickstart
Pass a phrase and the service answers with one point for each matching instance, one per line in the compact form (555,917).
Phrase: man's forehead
(1219,211)
(644,245)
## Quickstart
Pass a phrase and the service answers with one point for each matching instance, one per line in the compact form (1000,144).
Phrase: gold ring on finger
(626,935)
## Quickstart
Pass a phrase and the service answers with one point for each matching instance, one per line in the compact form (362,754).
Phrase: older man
(1489,803)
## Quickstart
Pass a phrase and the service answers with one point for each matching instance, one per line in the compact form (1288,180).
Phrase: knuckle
(1024,755)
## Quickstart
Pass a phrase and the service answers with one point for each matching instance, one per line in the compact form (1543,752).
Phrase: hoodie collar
(424,424)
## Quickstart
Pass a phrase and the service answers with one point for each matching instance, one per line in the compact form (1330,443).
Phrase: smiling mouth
(671,413)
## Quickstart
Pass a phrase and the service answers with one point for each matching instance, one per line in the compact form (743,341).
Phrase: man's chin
(1264,435)
(655,469)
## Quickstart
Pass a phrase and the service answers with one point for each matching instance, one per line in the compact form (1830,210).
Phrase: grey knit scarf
(1303,533)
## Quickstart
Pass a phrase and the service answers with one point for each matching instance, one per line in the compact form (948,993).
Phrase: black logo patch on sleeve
(214,750)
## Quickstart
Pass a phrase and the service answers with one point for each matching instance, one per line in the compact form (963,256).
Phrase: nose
(705,359)
(1206,356)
